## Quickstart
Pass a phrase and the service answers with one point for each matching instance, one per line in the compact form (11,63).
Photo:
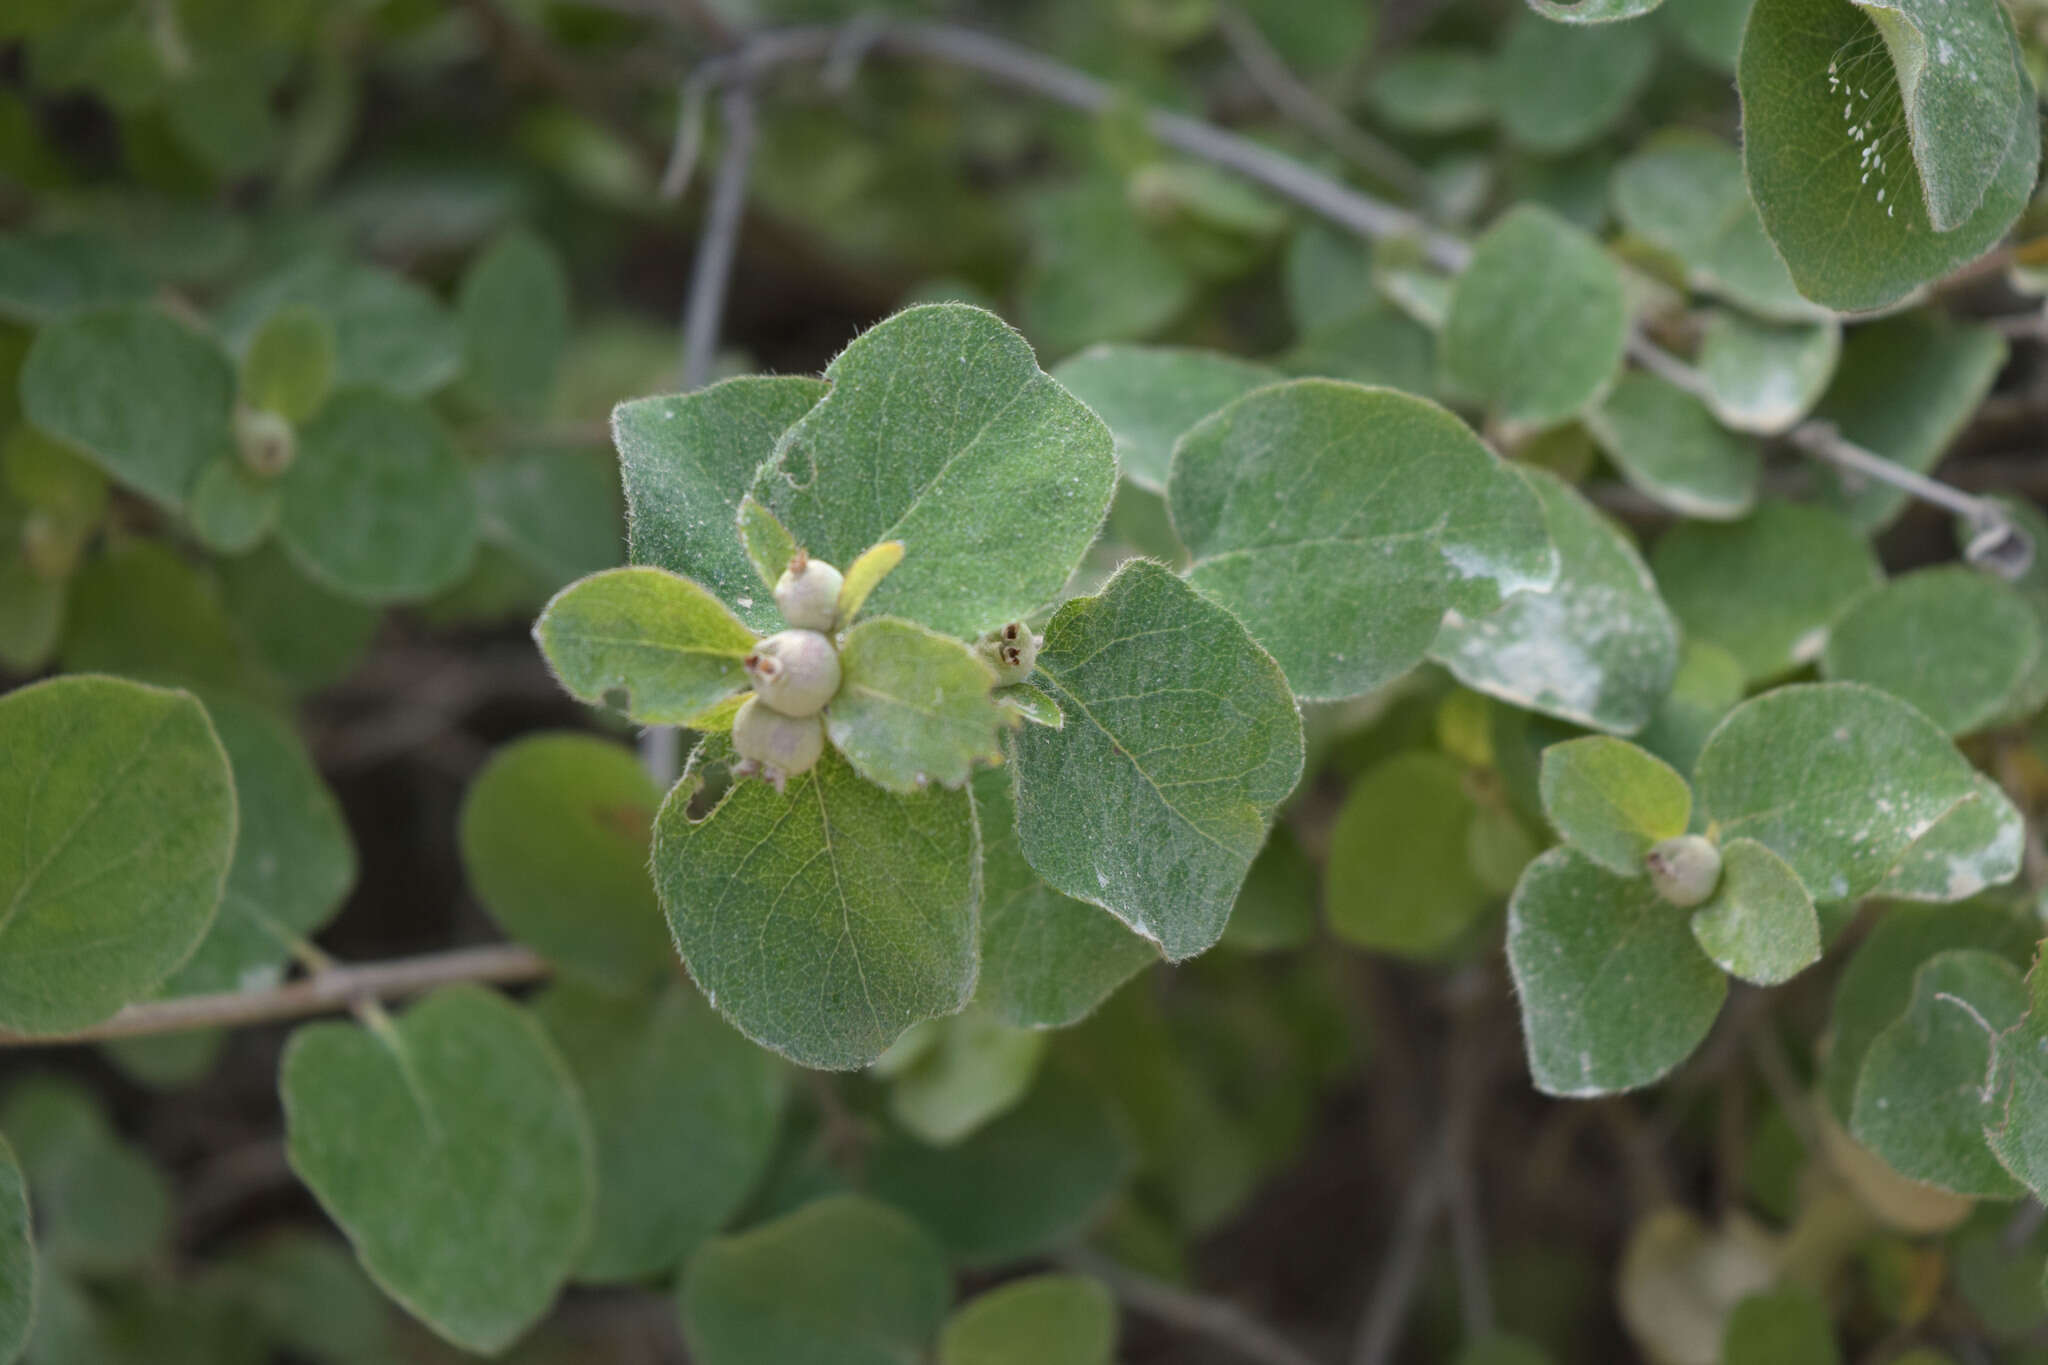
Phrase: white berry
(1685,870)
(779,747)
(794,671)
(1012,651)
(808,593)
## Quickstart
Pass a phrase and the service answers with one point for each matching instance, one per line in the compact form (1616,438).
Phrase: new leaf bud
(808,593)
(1012,651)
(794,671)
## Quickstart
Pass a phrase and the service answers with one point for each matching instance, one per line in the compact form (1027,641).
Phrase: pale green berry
(794,671)
(1012,651)
(265,442)
(1685,870)
(808,593)
(779,747)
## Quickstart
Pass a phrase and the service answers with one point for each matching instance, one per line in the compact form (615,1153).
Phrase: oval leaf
(1954,642)
(1765,376)
(913,707)
(1180,738)
(826,919)
(1149,395)
(1066,1318)
(1666,443)
(1614,991)
(1760,925)
(452,1148)
(646,643)
(122,833)
(941,431)
(1538,318)
(17,1259)
(1612,801)
(1399,878)
(1343,521)
(1598,649)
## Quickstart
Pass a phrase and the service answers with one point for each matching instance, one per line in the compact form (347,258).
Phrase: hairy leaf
(1614,991)
(115,857)
(18,1275)
(644,642)
(1399,878)
(1760,925)
(514,314)
(913,707)
(389,333)
(1180,739)
(1765,376)
(1954,642)
(1560,86)
(1666,443)
(941,431)
(1341,522)
(1612,801)
(687,460)
(1149,395)
(1066,1318)
(452,1148)
(825,919)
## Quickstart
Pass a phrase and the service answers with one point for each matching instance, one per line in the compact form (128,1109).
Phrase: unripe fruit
(1684,870)
(51,555)
(1011,651)
(794,671)
(808,593)
(779,746)
(265,442)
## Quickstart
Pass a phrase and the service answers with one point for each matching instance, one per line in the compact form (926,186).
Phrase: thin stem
(712,272)
(1223,1323)
(1998,544)
(335,989)
(1287,93)
(1379,1331)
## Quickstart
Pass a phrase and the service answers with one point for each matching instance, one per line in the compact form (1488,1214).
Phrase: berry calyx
(794,671)
(1685,870)
(776,746)
(1012,651)
(808,593)
(264,441)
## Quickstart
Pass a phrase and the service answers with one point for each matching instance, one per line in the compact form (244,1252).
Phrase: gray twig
(337,988)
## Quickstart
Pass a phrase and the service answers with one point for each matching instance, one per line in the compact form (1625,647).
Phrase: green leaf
(644,642)
(1180,739)
(1326,273)
(1560,86)
(843,1281)
(48,276)
(1906,388)
(514,314)
(1070,1319)
(1095,274)
(1710,31)
(1956,73)
(1978,844)
(685,1113)
(1846,246)
(1760,925)
(1276,907)
(555,511)
(862,577)
(1598,649)
(1304,501)
(1683,193)
(377,506)
(143,611)
(1149,395)
(31,616)
(1377,344)
(1838,779)
(1399,879)
(1767,588)
(305,634)
(554,835)
(294,861)
(1538,319)
(1614,991)
(122,831)
(826,919)
(230,508)
(18,1259)
(1877,985)
(1427,89)
(146,398)
(2019,1119)
(1788,1326)
(1047,960)
(1498,1348)
(948,1077)
(941,431)
(101,1207)
(307,1293)
(452,1148)
(1030,1182)
(1926,1092)
(1763,376)
(913,707)
(389,333)
(289,366)
(1954,642)
(1667,444)
(687,461)
(1026,703)
(1612,801)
